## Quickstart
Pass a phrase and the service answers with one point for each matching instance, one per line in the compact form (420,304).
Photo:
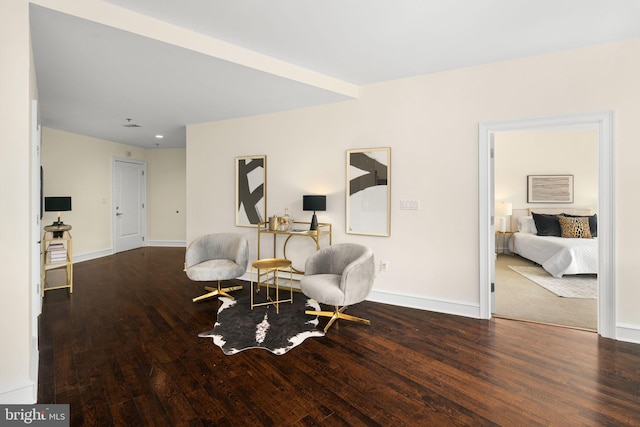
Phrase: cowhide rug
(239,328)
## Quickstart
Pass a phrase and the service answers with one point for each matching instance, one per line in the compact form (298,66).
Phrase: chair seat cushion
(215,269)
(323,287)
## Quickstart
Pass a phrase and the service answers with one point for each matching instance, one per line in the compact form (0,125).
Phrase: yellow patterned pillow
(575,227)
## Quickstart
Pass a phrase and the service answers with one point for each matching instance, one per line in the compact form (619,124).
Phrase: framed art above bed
(549,188)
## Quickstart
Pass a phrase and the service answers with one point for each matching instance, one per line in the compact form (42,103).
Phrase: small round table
(57,229)
(268,270)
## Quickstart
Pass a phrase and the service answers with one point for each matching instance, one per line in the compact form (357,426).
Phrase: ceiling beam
(107,14)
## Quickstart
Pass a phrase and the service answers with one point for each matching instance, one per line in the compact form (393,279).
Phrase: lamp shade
(503,208)
(314,203)
(57,204)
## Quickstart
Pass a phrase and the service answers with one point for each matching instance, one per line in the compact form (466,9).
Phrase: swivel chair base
(337,314)
(217,291)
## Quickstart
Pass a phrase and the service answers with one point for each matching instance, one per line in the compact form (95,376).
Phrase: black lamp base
(314,222)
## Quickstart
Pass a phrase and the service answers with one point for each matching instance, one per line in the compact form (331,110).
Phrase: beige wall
(80,166)
(166,196)
(566,152)
(431,124)
(18,358)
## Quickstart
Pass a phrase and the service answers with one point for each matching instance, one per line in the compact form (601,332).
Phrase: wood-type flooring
(123,349)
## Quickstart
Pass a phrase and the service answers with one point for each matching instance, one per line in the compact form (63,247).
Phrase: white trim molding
(22,392)
(430,304)
(628,333)
(167,243)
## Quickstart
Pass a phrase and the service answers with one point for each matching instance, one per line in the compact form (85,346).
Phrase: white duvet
(558,255)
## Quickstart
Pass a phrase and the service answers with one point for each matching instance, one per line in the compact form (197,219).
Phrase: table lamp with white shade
(503,210)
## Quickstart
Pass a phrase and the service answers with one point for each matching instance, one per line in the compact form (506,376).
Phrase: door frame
(36,210)
(114,162)
(603,122)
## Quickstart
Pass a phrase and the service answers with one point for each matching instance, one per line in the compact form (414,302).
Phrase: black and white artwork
(251,195)
(550,189)
(369,191)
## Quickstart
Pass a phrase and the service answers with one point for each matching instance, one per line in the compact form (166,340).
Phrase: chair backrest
(335,259)
(231,246)
(354,262)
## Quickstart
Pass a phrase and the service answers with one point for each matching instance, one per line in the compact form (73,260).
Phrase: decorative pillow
(547,225)
(527,225)
(593,222)
(577,228)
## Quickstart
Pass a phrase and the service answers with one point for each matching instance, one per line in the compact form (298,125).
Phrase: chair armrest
(358,277)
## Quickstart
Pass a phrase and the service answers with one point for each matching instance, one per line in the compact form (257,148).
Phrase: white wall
(17,88)
(566,152)
(80,166)
(430,123)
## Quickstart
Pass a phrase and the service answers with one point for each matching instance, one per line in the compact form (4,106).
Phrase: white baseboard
(430,304)
(18,393)
(167,243)
(110,251)
(92,255)
(628,333)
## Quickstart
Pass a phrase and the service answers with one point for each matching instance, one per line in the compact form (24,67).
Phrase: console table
(324,231)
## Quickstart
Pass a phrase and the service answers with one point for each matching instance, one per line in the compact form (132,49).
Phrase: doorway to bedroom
(603,122)
(524,289)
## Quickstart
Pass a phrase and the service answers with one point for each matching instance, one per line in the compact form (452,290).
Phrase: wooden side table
(57,254)
(268,270)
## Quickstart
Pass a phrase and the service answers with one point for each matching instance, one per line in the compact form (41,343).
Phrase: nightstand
(505,241)
(57,255)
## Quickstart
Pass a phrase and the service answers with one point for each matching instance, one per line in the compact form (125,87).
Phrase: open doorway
(603,123)
(524,290)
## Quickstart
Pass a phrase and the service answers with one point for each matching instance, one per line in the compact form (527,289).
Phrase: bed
(557,255)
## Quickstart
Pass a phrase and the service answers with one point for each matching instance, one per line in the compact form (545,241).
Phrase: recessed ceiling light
(159,136)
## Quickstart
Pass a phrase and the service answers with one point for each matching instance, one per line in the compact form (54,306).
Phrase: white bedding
(558,255)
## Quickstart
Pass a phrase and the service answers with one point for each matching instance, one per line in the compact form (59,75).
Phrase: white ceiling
(92,77)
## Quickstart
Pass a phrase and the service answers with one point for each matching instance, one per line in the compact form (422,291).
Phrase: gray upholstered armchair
(339,275)
(216,257)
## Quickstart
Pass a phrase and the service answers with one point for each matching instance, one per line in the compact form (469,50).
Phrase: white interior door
(129,200)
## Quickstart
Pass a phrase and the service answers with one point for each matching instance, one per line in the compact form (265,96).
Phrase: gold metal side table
(505,241)
(268,270)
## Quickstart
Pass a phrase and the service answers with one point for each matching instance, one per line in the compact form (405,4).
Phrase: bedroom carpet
(570,286)
(519,298)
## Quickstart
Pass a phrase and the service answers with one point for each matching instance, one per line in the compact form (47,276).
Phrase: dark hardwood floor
(123,349)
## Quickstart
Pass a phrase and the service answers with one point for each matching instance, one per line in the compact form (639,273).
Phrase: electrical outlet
(384,266)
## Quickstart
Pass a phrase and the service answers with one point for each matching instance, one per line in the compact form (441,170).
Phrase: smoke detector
(131,125)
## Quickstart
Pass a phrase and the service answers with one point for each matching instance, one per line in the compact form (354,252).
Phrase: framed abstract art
(369,191)
(251,190)
(549,188)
